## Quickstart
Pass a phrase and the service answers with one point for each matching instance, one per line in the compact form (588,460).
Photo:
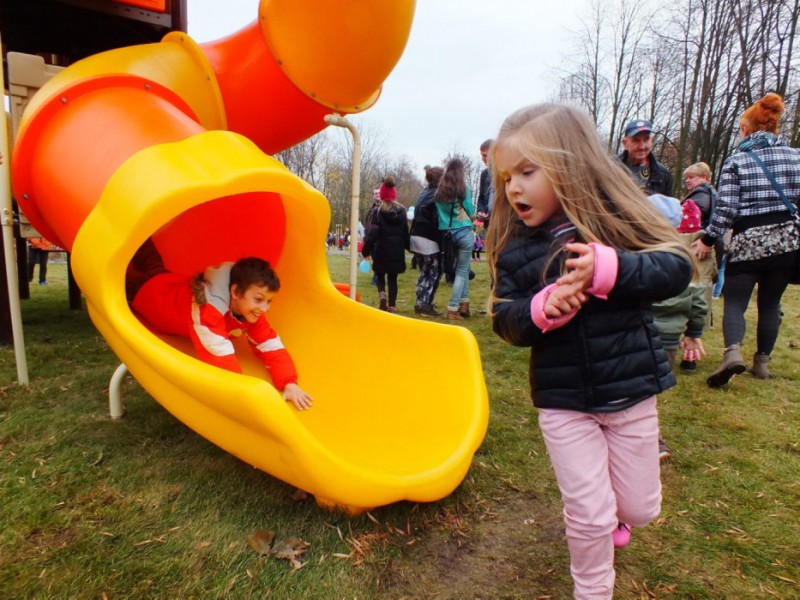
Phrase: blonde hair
(699,169)
(596,192)
(764,114)
(390,206)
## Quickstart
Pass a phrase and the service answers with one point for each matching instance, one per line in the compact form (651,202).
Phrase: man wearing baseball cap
(637,142)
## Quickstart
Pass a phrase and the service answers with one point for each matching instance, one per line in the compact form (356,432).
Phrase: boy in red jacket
(226,300)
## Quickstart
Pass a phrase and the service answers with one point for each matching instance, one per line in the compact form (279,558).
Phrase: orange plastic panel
(157,5)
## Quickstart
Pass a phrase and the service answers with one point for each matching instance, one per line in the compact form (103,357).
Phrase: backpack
(690,217)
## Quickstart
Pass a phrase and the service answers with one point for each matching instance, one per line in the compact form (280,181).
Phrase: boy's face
(252,303)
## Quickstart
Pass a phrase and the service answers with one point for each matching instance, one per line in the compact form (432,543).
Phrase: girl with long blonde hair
(578,254)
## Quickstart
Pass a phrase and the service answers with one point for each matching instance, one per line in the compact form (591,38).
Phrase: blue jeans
(716,292)
(464,239)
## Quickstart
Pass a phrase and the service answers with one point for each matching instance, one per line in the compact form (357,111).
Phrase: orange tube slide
(260,82)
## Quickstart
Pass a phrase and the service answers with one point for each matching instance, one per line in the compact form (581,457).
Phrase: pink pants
(607,469)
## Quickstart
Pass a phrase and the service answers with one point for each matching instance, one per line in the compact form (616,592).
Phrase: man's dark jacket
(660,178)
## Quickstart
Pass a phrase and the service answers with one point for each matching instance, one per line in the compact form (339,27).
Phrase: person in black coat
(424,243)
(577,262)
(386,243)
(485,189)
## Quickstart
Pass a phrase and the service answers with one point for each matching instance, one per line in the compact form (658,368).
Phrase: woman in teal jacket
(455,210)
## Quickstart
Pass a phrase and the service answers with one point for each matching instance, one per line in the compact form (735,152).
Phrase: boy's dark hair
(252,270)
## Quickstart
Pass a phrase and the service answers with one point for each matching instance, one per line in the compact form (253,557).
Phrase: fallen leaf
(291,549)
(261,541)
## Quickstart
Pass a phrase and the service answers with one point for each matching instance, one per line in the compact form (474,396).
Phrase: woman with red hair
(759,184)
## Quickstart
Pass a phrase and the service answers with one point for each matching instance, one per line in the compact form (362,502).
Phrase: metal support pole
(340,121)
(9,251)
(116,406)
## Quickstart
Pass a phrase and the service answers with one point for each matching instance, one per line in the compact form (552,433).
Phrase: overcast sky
(467,65)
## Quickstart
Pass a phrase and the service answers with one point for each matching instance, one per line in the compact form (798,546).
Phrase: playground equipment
(168,141)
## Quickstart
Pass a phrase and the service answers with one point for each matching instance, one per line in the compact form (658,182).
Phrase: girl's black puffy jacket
(387,240)
(426,220)
(609,356)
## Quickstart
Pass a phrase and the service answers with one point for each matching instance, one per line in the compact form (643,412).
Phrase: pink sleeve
(541,320)
(606,264)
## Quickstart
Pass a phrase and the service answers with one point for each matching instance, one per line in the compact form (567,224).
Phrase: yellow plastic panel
(372,437)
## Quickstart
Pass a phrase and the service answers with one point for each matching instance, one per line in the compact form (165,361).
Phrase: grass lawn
(145,508)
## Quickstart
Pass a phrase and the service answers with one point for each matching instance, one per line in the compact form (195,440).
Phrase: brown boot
(732,364)
(463,308)
(454,315)
(760,369)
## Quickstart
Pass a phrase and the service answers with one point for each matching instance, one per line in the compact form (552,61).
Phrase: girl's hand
(580,269)
(692,348)
(563,300)
(294,394)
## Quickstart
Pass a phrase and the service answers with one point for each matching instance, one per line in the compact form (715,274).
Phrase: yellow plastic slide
(131,144)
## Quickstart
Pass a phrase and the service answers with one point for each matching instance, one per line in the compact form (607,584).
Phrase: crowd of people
(447,232)
(610,279)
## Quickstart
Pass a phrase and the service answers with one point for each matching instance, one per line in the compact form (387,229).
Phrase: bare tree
(307,159)
(586,85)
(628,29)
(692,67)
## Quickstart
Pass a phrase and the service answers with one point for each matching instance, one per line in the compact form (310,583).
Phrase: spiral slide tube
(168,141)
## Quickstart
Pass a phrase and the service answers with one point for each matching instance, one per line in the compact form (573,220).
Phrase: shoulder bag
(449,252)
(769,240)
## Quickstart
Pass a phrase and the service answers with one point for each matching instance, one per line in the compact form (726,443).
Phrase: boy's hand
(692,348)
(294,394)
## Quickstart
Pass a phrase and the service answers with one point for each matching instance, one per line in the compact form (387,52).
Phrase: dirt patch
(514,549)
